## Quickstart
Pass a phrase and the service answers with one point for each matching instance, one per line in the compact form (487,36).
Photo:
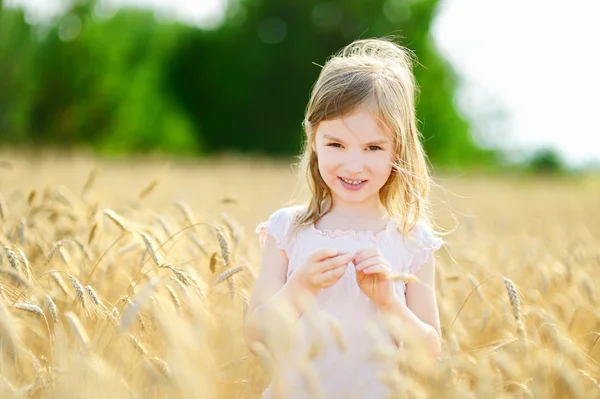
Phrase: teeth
(355,182)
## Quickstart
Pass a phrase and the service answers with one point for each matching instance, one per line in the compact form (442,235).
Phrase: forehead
(361,126)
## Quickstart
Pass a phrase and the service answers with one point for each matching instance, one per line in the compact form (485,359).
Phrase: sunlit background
(525,74)
(142,142)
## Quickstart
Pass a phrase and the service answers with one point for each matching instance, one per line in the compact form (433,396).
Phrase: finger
(375,260)
(377,269)
(322,254)
(366,254)
(331,276)
(336,261)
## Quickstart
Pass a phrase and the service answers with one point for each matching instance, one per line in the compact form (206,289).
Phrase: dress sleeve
(277,226)
(427,243)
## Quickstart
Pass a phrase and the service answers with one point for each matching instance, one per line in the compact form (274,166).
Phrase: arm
(273,297)
(420,314)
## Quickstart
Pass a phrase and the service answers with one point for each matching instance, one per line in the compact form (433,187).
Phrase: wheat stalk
(25,262)
(79,290)
(15,278)
(516,305)
(224,248)
(407,278)
(173,295)
(92,233)
(12,259)
(78,329)
(131,312)
(152,249)
(29,307)
(148,189)
(198,242)
(52,308)
(228,274)
(116,218)
(94,296)
(187,213)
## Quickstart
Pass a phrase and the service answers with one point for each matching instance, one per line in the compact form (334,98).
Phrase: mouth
(352,184)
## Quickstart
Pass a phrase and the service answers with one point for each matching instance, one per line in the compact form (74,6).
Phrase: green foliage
(129,83)
(547,161)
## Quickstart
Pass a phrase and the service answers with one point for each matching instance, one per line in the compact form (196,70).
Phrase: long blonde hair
(376,73)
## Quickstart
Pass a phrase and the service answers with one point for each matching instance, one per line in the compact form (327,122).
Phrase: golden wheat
(172,331)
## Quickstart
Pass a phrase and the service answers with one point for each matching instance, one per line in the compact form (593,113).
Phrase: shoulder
(424,236)
(421,242)
(279,224)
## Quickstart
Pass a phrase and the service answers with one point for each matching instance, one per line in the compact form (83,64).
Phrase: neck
(370,208)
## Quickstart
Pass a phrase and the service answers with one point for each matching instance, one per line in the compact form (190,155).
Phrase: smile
(353,182)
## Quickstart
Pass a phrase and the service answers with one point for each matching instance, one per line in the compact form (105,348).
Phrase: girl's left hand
(373,276)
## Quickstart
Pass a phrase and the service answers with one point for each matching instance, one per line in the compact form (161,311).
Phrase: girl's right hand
(323,268)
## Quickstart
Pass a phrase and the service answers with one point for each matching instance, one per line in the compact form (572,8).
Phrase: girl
(328,268)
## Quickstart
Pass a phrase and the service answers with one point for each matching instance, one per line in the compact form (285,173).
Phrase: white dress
(353,372)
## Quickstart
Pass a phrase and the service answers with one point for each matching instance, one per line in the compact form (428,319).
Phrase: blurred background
(503,84)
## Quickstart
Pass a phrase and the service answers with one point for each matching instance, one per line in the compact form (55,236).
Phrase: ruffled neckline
(352,233)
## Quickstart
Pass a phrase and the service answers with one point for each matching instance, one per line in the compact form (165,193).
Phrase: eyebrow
(332,138)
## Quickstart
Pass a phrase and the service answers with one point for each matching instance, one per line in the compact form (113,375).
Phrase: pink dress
(351,370)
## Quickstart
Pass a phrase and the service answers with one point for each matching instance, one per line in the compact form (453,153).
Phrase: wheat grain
(181,276)
(137,345)
(591,379)
(31,197)
(116,218)
(52,308)
(213,262)
(224,248)
(516,305)
(173,296)
(187,213)
(151,248)
(131,312)
(92,233)
(12,259)
(148,189)
(228,274)
(93,296)
(89,182)
(475,285)
(78,329)
(407,278)
(588,288)
(79,290)
(25,262)
(198,242)
(60,282)
(29,307)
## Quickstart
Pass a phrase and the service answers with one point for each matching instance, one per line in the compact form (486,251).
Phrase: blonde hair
(376,73)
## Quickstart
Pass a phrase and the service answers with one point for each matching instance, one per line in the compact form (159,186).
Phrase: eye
(374,148)
(336,145)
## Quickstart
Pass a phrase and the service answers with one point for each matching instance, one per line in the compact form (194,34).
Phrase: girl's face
(355,156)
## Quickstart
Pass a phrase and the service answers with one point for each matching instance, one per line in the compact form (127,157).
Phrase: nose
(354,165)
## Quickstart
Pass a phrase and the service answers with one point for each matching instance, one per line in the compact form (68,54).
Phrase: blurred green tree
(130,83)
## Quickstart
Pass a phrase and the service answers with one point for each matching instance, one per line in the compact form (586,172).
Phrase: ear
(307,128)
(308,131)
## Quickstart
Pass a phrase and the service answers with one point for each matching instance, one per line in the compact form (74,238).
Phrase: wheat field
(131,278)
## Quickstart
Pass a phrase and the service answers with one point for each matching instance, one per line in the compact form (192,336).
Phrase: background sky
(529,72)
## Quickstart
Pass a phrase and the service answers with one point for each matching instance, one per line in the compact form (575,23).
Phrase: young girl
(328,268)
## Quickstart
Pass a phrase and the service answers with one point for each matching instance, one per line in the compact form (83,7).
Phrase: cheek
(382,165)
(328,162)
